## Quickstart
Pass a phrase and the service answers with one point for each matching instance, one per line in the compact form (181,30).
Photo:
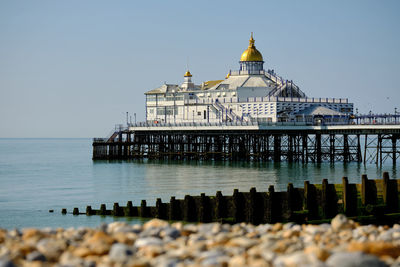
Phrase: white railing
(268,99)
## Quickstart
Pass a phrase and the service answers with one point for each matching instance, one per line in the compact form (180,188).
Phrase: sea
(39,175)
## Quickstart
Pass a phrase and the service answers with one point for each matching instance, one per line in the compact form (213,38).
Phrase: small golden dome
(251,53)
(187,74)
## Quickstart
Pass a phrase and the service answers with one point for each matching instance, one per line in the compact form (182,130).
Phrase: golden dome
(251,53)
(187,74)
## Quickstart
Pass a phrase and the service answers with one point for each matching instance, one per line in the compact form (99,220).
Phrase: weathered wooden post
(252,206)
(64,211)
(89,210)
(290,202)
(160,209)
(204,211)
(103,210)
(238,206)
(189,209)
(76,211)
(368,191)
(116,210)
(390,193)
(173,210)
(143,209)
(349,197)
(128,211)
(329,200)
(269,215)
(310,201)
(220,206)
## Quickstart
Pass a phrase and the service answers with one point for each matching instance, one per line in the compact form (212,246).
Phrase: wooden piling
(220,206)
(238,206)
(103,210)
(368,191)
(390,193)
(143,209)
(116,210)
(89,210)
(76,211)
(189,213)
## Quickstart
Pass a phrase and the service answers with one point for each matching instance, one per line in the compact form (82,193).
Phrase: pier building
(249,94)
(252,114)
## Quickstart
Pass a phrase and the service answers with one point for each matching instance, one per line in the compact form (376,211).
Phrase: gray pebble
(170,232)
(35,256)
(120,252)
(6,263)
(357,259)
(148,241)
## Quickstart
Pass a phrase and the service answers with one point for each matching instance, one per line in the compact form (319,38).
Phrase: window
(199,113)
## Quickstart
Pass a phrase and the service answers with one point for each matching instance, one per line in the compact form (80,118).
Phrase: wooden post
(326,201)
(173,210)
(76,211)
(290,194)
(204,209)
(103,210)
(129,209)
(220,207)
(160,211)
(238,206)
(310,201)
(390,193)
(349,198)
(89,210)
(368,191)
(189,209)
(252,206)
(143,209)
(64,211)
(269,213)
(116,211)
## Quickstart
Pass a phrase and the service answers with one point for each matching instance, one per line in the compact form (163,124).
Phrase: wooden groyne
(374,201)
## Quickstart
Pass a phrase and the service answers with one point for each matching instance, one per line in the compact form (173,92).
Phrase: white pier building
(251,94)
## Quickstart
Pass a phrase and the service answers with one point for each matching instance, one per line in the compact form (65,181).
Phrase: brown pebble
(277,227)
(321,253)
(32,233)
(378,248)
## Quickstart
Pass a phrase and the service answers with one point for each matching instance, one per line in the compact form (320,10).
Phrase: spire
(251,41)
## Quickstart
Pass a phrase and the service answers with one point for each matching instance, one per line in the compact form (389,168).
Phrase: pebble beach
(159,243)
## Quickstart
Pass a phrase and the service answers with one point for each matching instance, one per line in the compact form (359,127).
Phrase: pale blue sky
(73,68)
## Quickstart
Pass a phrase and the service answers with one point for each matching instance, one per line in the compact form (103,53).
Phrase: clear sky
(74,68)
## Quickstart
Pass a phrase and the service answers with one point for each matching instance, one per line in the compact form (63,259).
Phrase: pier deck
(293,142)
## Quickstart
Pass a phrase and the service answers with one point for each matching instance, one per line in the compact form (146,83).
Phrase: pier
(372,201)
(254,141)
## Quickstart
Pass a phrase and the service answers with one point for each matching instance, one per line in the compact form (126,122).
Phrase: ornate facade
(250,94)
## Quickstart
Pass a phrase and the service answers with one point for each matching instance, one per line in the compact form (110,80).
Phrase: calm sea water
(37,175)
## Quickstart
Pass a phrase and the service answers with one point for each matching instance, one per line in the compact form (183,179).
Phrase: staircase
(224,111)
